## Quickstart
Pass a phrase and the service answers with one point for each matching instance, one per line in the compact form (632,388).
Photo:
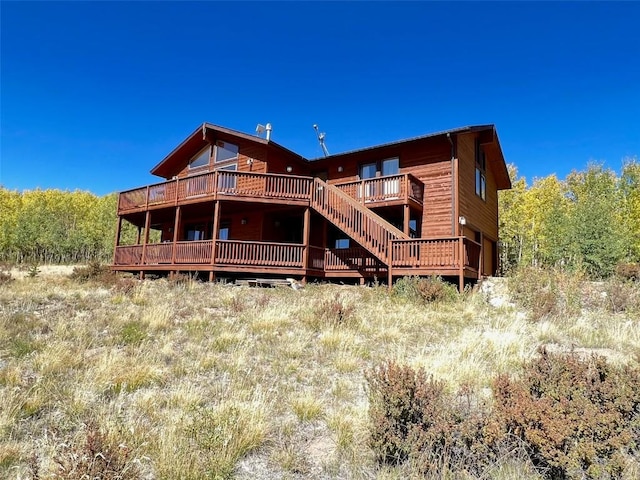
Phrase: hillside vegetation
(110,377)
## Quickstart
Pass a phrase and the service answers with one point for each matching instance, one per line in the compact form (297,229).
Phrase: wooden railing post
(147,223)
(461,263)
(176,228)
(305,240)
(214,233)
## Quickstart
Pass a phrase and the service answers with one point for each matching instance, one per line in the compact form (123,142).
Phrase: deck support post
(306,231)
(147,223)
(176,227)
(481,259)
(139,236)
(461,264)
(117,239)
(407,218)
(214,235)
(212,276)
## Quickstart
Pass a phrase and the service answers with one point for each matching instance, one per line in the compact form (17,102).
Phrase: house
(233,205)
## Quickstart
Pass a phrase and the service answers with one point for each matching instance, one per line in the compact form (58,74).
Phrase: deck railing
(316,260)
(266,185)
(128,255)
(265,254)
(158,253)
(220,182)
(369,229)
(381,189)
(193,252)
(435,253)
(353,258)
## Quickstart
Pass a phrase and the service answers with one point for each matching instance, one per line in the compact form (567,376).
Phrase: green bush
(546,292)
(93,271)
(427,290)
(579,419)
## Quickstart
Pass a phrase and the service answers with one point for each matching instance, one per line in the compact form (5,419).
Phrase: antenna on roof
(321,140)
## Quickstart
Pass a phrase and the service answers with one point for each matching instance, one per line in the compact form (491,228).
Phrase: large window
(225,151)
(202,158)
(481,166)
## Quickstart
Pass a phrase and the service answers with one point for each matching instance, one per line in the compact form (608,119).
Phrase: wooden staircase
(363,225)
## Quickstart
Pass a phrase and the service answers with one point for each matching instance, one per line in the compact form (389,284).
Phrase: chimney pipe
(268,128)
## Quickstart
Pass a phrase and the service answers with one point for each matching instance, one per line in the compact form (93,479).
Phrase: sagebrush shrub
(428,290)
(578,419)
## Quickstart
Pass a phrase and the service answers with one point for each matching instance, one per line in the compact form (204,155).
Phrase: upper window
(225,151)
(481,165)
(368,170)
(201,159)
(390,166)
(386,167)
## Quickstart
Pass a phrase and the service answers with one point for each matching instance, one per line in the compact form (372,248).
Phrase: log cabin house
(234,205)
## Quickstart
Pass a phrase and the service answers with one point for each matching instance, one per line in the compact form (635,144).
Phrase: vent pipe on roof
(268,128)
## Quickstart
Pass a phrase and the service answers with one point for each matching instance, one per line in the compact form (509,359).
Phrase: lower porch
(448,257)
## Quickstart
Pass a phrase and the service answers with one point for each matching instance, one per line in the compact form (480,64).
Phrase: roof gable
(254,147)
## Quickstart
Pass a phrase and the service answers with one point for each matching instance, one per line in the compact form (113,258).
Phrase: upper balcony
(397,189)
(266,187)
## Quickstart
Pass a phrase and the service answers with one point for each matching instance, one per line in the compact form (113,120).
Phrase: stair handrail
(382,254)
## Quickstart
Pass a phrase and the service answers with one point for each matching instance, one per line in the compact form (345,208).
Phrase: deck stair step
(363,225)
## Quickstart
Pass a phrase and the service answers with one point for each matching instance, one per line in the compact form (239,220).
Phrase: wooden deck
(263,187)
(442,256)
(383,249)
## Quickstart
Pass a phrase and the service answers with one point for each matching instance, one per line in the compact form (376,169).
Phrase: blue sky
(93,95)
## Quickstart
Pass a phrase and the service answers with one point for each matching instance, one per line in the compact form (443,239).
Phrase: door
(391,187)
(367,171)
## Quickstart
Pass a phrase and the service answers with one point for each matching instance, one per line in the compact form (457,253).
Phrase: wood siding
(481,215)
(430,162)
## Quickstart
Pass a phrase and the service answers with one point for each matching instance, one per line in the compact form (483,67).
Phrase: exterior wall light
(289,169)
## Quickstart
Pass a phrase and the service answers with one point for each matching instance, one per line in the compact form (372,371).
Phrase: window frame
(480,172)
(221,145)
(199,155)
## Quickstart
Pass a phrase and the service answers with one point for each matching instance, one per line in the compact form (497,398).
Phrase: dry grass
(206,381)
